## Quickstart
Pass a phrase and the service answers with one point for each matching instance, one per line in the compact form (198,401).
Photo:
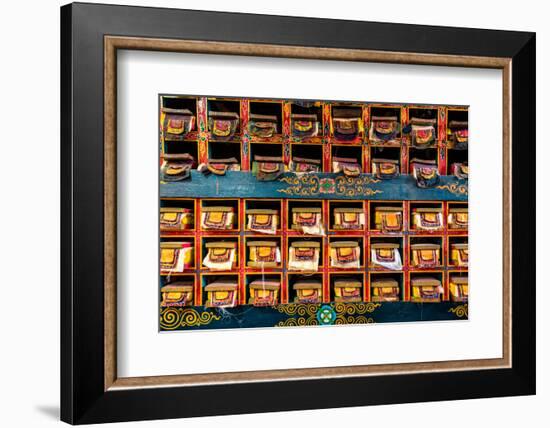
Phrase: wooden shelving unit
(243,146)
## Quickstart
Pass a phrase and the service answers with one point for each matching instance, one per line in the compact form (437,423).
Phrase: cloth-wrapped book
(384,290)
(345,254)
(299,164)
(304,256)
(458,218)
(217,218)
(264,292)
(424,172)
(307,220)
(174,219)
(427,219)
(384,129)
(221,166)
(458,288)
(458,134)
(267,168)
(426,289)
(308,291)
(349,218)
(386,255)
(459,254)
(348,290)
(460,170)
(304,126)
(388,218)
(222,125)
(263,220)
(220,255)
(262,126)
(176,167)
(222,293)
(179,293)
(347,123)
(423,132)
(350,167)
(177,123)
(175,257)
(263,254)
(425,255)
(385,168)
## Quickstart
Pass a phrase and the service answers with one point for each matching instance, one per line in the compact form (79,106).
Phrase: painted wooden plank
(240,184)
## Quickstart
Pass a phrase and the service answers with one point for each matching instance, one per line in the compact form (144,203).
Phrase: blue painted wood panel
(199,317)
(240,184)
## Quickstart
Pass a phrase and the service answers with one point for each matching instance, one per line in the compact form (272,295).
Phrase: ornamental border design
(311,184)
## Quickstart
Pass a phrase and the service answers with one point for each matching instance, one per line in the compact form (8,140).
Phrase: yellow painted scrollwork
(173,318)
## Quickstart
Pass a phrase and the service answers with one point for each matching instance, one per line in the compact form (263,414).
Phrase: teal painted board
(323,314)
(241,184)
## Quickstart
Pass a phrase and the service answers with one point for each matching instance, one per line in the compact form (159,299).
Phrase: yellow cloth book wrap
(179,293)
(385,168)
(175,257)
(426,289)
(425,255)
(347,123)
(176,123)
(348,290)
(427,219)
(345,254)
(349,218)
(263,254)
(458,288)
(308,291)
(458,218)
(388,219)
(307,220)
(174,219)
(263,220)
(304,256)
(264,292)
(222,293)
(384,290)
(220,255)
(217,218)
(386,254)
(459,254)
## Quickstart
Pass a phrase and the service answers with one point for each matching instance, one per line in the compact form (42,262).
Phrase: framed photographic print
(277,213)
(256,208)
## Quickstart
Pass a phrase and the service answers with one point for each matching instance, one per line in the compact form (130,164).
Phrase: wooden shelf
(242,187)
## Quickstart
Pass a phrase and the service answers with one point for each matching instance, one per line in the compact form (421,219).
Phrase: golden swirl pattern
(341,319)
(169,319)
(311,184)
(298,309)
(349,186)
(301,321)
(355,308)
(173,318)
(460,311)
(346,313)
(364,320)
(455,188)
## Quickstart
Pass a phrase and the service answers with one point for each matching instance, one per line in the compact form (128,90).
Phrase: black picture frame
(83,396)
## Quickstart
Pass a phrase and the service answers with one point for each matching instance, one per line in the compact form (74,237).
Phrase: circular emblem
(326,315)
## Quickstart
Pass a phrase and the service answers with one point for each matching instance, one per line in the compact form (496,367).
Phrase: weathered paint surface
(239,184)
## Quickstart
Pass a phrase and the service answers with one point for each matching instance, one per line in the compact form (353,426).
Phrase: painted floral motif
(310,185)
(327,314)
(327,185)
